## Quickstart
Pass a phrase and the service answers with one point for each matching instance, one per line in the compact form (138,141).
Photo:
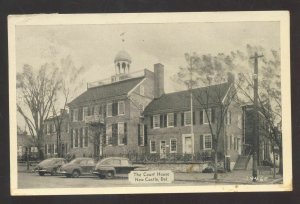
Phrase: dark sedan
(78,167)
(112,166)
(49,166)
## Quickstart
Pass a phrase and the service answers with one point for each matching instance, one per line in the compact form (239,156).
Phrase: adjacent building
(53,127)
(175,130)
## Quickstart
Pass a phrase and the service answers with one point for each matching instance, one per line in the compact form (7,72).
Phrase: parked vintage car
(112,166)
(78,167)
(49,166)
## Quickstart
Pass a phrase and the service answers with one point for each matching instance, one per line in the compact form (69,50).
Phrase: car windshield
(75,161)
(48,161)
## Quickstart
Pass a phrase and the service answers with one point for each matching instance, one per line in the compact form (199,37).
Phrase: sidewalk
(234,177)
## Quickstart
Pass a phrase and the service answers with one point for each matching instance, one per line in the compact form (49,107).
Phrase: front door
(188,145)
(163,150)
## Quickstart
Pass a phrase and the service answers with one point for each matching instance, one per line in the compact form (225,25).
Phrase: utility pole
(255,121)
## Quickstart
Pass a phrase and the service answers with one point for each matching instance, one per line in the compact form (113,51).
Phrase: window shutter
(182,119)
(139,134)
(81,114)
(201,116)
(213,115)
(72,138)
(115,109)
(165,120)
(81,137)
(145,134)
(104,135)
(45,148)
(194,118)
(115,134)
(201,142)
(88,111)
(104,110)
(161,120)
(175,119)
(151,121)
(100,110)
(125,134)
(93,110)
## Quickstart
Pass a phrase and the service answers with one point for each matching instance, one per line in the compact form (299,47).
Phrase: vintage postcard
(150,103)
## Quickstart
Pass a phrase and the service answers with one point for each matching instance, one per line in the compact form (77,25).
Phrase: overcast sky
(95,46)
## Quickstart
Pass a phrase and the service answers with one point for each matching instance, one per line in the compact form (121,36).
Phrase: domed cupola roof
(123,56)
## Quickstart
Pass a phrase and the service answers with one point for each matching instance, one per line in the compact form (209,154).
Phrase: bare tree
(69,74)
(269,93)
(208,70)
(36,93)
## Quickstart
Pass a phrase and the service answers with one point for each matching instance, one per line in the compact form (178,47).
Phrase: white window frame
(173,139)
(204,146)
(171,115)
(108,114)
(142,90)
(142,135)
(122,129)
(205,119)
(48,129)
(48,149)
(75,115)
(158,121)
(108,130)
(85,110)
(185,118)
(150,143)
(55,149)
(228,117)
(239,122)
(119,103)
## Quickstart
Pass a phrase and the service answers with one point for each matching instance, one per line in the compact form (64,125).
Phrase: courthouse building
(107,118)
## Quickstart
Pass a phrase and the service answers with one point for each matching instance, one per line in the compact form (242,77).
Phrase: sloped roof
(106,91)
(181,100)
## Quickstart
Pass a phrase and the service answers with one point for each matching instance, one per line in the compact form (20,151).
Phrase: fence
(165,158)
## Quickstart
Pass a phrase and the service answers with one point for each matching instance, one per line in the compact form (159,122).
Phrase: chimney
(159,88)
(230,77)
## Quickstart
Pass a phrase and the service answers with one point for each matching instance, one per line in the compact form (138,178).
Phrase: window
(85,112)
(76,138)
(239,122)
(124,162)
(48,149)
(228,118)
(121,134)
(109,135)
(156,121)
(187,118)
(170,118)
(48,129)
(85,137)
(121,108)
(142,90)
(173,146)
(152,147)
(205,119)
(207,142)
(75,115)
(55,149)
(109,109)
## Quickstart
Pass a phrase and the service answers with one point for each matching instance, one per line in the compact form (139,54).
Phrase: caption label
(137,177)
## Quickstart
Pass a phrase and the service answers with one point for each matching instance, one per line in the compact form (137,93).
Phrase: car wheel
(109,175)
(75,174)
(41,173)
(53,172)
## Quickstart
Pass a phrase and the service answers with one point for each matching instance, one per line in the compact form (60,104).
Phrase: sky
(95,46)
